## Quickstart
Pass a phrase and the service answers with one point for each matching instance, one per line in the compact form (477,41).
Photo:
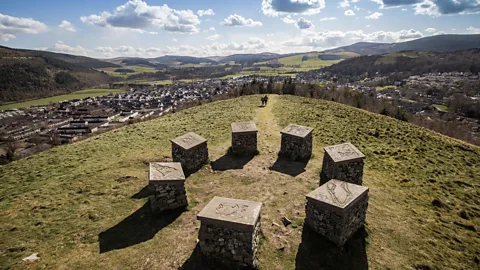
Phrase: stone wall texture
(351,172)
(296,148)
(192,159)
(167,197)
(229,245)
(244,143)
(335,226)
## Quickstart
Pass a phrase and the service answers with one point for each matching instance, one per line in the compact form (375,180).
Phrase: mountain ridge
(438,43)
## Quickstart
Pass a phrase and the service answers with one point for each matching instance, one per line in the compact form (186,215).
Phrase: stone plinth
(191,151)
(296,142)
(244,138)
(230,230)
(167,186)
(336,210)
(343,162)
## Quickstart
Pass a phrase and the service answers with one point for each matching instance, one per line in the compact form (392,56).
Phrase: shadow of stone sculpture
(143,193)
(198,261)
(231,161)
(139,227)
(315,252)
(287,166)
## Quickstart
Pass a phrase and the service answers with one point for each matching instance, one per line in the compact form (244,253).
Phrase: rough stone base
(335,227)
(244,144)
(167,197)
(296,148)
(230,245)
(351,172)
(192,159)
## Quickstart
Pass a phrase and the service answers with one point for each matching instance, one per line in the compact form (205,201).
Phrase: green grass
(392,57)
(138,69)
(313,61)
(59,202)
(74,95)
(381,88)
(441,107)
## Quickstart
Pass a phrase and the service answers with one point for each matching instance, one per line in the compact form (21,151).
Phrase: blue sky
(150,28)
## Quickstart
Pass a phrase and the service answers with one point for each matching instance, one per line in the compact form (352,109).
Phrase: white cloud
(208,12)
(174,39)
(344,4)
(349,13)
(404,9)
(7,37)
(209,29)
(430,30)
(288,20)
(473,30)
(67,26)
(137,14)
(213,37)
(329,39)
(328,19)
(104,49)
(283,7)
(11,26)
(237,20)
(374,16)
(434,8)
(304,24)
(60,46)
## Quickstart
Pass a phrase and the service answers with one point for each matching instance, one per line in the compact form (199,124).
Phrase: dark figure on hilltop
(265,98)
(263,101)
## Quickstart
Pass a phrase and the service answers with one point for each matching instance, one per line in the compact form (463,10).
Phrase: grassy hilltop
(83,205)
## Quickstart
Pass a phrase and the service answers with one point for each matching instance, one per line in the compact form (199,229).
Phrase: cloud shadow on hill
(139,227)
(315,252)
(287,166)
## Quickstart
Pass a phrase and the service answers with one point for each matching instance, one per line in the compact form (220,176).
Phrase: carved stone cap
(166,173)
(344,152)
(231,213)
(337,195)
(297,130)
(188,140)
(244,127)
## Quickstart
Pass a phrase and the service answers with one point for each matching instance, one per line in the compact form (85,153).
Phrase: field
(381,88)
(313,61)
(138,69)
(391,57)
(441,107)
(74,95)
(84,206)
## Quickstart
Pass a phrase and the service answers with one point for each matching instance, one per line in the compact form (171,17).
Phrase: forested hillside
(24,75)
(409,63)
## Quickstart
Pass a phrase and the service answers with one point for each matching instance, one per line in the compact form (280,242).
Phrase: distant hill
(252,58)
(180,60)
(409,63)
(27,74)
(82,61)
(439,43)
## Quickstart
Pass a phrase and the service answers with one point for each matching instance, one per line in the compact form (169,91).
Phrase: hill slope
(409,62)
(439,43)
(32,74)
(83,205)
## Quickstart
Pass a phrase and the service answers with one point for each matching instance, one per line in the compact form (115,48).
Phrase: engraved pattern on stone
(229,209)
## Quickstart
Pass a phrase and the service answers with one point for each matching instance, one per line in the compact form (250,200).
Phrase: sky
(152,28)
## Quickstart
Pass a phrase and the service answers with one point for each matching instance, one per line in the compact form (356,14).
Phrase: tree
(270,86)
